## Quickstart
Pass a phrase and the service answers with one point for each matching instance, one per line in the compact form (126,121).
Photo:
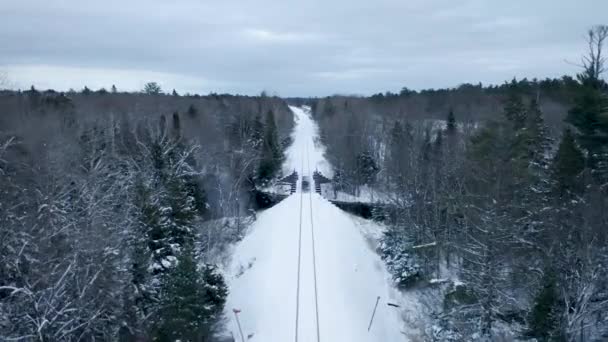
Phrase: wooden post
(373,314)
(236,311)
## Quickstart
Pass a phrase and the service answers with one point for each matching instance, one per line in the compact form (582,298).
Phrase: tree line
(106,205)
(501,218)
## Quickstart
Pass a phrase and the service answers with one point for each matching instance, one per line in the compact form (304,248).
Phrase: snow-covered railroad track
(339,276)
(312,252)
(299,254)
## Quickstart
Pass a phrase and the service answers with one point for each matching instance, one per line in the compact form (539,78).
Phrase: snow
(306,137)
(263,272)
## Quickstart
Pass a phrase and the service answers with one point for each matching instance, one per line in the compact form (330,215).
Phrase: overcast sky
(290,48)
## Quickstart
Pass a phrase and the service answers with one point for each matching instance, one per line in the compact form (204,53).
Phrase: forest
(502,187)
(115,206)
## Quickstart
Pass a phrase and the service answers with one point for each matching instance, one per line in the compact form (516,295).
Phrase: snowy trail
(349,275)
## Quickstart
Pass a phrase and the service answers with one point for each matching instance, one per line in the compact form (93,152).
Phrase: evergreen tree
(437,160)
(271,154)
(152,88)
(256,138)
(451,123)
(162,126)
(174,93)
(397,138)
(180,213)
(529,149)
(490,195)
(589,114)
(338,182)
(176,127)
(397,160)
(536,134)
(426,149)
(152,226)
(568,163)
(215,292)
(515,111)
(191,302)
(113,90)
(544,321)
(401,260)
(438,145)
(366,168)
(192,111)
(589,118)
(86,91)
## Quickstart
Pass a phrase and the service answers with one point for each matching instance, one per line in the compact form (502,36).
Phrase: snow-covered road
(338,283)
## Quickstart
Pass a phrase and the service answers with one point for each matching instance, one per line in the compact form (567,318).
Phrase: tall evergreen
(567,164)
(256,138)
(515,110)
(590,112)
(544,321)
(191,301)
(530,147)
(271,153)
(537,135)
(192,112)
(451,123)
(176,127)
(587,117)
(426,147)
(396,161)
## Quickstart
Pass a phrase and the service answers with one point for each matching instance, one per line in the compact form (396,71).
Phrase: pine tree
(529,150)
(537,136)
(487,231)
(176,127)
(215,291)
(180,213)
(589,114)
(592,128)
(366,168)
(397,158)
(152,88)
(152,226)
(256,138)
(271,154)
(425,149)
(451,123)
(568,163)
(185,310)
(438,145)
(544,321)
(515,111)
(114,90)
(192,111)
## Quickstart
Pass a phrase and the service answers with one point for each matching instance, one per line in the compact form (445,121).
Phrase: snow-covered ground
(305,138)
(305,260)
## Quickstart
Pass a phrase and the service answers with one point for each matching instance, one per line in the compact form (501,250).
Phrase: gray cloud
(290,47)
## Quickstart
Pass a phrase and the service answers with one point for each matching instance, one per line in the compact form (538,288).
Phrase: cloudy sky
(289,48)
